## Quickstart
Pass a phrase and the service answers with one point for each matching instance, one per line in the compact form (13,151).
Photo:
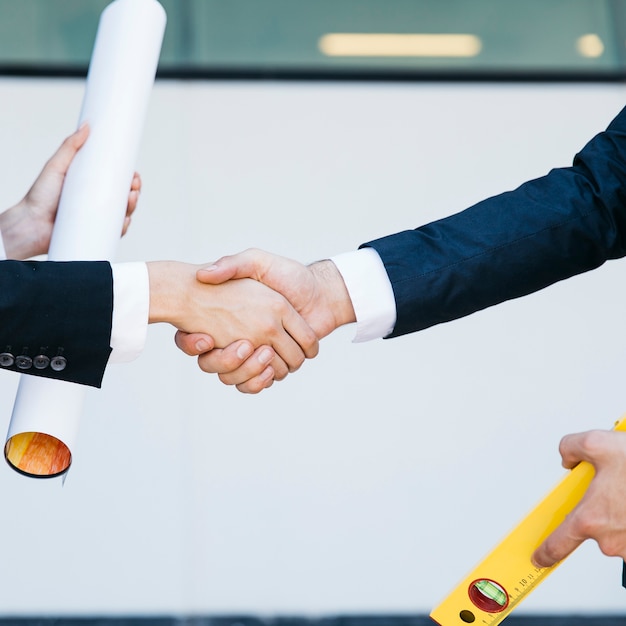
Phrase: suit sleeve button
(41,361)
(23,362)
(6,359)
(58,363)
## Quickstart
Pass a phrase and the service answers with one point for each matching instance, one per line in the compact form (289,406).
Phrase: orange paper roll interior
(37,454)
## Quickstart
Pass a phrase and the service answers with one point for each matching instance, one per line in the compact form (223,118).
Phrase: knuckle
(253,386)
(226,379)
(246,389)
(272,334)
(280,374)
(590,525)
(296,364)
(278,305)
(280,368)
(593,442)
(205,364)
(610,546)
(227,363)
(312,347)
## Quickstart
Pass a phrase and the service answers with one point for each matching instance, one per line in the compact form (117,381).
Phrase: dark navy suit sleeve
(55,319)
(568,222)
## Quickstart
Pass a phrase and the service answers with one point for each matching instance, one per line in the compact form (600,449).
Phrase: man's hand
(27,227)
(229,312)
(316,291)
(601,514)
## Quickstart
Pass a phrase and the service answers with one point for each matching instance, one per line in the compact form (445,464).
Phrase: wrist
(334,292)
(21,234)
(166,281)
(13,238)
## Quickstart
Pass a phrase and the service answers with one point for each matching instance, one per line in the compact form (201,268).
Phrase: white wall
(356,485)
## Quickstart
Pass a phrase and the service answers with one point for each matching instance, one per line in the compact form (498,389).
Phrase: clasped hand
(316,292)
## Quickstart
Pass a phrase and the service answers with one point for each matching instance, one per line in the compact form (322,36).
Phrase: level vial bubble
(488,595)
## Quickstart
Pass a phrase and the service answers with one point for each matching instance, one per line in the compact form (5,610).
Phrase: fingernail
(210,268)
(266,374)
(202,345)
(244,351)
(265,356)
(82,126)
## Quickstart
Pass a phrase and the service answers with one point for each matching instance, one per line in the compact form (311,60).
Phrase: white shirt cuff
(3,254)
(131,307)
(371,293)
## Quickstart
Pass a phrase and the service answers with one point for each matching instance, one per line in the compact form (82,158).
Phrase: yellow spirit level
(506,576)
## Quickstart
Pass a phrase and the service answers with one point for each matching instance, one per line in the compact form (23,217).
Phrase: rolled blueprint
(47,412)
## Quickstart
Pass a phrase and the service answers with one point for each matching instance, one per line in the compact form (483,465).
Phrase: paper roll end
(37,455)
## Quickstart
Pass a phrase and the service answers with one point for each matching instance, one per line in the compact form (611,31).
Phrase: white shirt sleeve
(3,254)
(131,307)
(371,293)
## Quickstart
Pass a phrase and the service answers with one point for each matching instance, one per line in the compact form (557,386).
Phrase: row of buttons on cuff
(23,362)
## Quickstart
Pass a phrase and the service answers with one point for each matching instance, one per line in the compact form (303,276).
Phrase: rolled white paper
(95,193)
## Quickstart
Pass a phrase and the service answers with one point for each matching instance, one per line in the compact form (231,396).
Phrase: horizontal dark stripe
(348,620)
(337,74)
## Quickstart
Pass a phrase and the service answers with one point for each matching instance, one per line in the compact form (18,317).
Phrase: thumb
(250,263)
(61,159)
(193,344)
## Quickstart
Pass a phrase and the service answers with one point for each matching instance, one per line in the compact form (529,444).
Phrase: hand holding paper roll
(26,228)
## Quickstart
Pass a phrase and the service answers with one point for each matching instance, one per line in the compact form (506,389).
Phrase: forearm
(549,229)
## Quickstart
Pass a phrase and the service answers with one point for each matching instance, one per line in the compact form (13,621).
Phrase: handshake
(251,318)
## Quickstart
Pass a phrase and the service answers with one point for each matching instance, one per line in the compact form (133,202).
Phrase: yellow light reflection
(590,46)
(399,45)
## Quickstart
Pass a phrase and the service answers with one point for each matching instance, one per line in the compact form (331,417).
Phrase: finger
(237,362)
(133,199)
(193,344)
(572,449)
(133,195)
(136,183)
(259,383)
(281,369)
(562,542)
(297,342)
(61,159)
(251,263)
(592,446)
(302,334)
